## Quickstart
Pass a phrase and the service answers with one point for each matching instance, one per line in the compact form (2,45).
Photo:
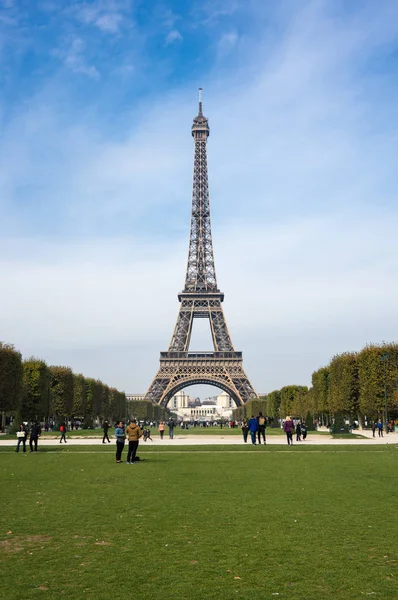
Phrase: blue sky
(96,104)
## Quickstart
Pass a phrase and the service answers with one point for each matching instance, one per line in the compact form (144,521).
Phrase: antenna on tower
(200,102)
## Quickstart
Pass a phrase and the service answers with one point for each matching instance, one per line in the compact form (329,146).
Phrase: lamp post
(384,359)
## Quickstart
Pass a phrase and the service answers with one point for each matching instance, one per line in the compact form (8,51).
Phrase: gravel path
(218,439)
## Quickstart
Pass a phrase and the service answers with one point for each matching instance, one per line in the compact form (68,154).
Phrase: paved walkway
(231,440)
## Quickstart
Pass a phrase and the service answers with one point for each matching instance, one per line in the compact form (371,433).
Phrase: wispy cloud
(172,37)
(73,57)
(106,15)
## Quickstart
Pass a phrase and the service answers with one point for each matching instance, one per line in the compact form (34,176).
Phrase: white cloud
(107,15)
(73,57)
(173,36)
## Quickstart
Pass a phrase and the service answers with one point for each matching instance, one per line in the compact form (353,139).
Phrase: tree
(79,406)
(320,390)
(61,391)
(292,397)
(35,399)
(94,400)
(273,404)
(378,378)
(11,377)
(343,384)
(104,411)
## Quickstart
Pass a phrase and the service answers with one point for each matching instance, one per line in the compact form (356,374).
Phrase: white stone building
(183,406)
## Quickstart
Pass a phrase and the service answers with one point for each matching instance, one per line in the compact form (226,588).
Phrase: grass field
(199,523)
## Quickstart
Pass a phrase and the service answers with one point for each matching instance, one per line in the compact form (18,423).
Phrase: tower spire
(200,103)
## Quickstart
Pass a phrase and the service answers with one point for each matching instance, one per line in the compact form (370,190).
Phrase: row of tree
(143,410)
(32,390)
(353,384)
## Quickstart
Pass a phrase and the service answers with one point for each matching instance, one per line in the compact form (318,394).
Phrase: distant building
(135,396)
(189,409)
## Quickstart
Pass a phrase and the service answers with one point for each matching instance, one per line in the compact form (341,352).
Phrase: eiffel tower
(200,299)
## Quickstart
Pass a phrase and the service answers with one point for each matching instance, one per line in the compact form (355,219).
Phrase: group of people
(256,427)
(162,427)
(379,426)
(290,428)
(22,436)
(132,433)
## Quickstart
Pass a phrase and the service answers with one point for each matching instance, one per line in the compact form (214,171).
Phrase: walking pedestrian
(380,427)
(304,431)
(35,433)
(245,430)
(63,432)
(120,437)
(374,428)
(288,428)
(134,433)
(253,428)
(262,423)
(171,428)
(106,436)
(298,432)
(22,434)
(161,429)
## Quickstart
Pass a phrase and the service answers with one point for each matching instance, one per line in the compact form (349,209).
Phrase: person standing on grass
(245,430)
(134,433)
(120,437)
(22,434)
(105,428)
(262,423)
(171,429)
(34,436)
(288,428)
(253,428)
(63,432)
(161,429)
(380,427)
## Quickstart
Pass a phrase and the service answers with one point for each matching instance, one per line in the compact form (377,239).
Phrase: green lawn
(199,523)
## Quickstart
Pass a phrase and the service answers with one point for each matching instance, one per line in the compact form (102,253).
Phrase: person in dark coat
(35,433)
(298,432)
(253,428)
(171,428)
(106,436)
(262,423)
(22,434)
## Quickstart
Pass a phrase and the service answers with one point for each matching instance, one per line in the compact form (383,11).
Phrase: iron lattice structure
(200,299)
